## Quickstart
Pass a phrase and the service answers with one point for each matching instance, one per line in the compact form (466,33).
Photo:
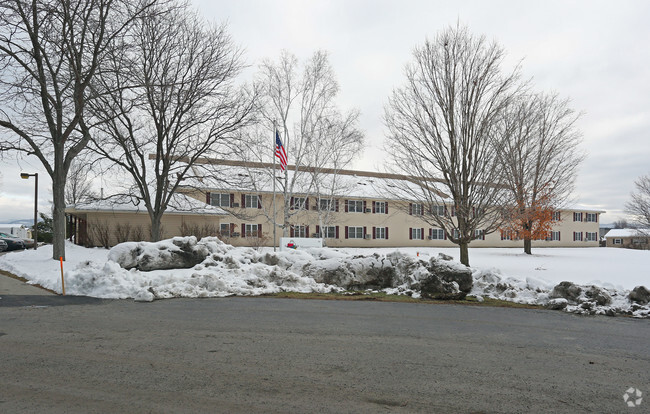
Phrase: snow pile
(567,296)
(211,268)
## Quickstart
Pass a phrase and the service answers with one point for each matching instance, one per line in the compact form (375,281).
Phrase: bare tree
(169,96)
(540,157)
(79,186)
(50,52)
(442,126)
(314,131)
(639,205)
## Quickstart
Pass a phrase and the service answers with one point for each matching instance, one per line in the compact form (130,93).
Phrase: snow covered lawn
(500,273)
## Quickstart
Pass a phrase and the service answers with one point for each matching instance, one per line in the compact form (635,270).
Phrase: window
(639,240)
(299,231)
(437,234)
(416,234)
(252,230)
(252,201)
(456,234)
(577,235)
(416,209)
(479,234)
(618,241)
(555,236)
(592,217)
(380,208)
(328,232)
(326,204)
(556,216)
(592,236)
(438,210)
(577,216)
(355,206)
(355,232)
(380,233)
(220,199)
(298,203)
(224,229)
(506,235)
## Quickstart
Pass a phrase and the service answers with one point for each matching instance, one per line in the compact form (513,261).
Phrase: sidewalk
(11,286)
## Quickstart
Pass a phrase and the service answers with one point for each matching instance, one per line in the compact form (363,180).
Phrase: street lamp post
(26,176)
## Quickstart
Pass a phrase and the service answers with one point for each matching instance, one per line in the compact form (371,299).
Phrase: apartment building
(364,214)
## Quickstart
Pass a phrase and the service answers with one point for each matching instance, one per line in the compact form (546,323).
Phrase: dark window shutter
(207,198)
(373,207)
(290,231)
(336,205)
(291,203)
(232,199)
(411,209)
(386,233)
(243,230)
(346,207)
(364,206)
(337,232)
(307,203)
(364,232)
(374,233)
(318,231)
(558,236)
(422,233)
(259,201)
(386,211)
(346,232)
(410,233)
(243,201)
(306,231)
(431,233)
(259,230)
(444,234)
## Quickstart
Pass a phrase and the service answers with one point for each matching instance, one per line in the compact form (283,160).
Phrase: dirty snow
(504,274)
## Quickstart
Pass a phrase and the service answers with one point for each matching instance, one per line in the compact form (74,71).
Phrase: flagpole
(274,211)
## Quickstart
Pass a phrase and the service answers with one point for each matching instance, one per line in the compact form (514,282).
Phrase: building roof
(615,233)
(180,204)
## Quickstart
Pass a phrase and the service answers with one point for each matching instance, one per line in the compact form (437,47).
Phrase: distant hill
(24,222)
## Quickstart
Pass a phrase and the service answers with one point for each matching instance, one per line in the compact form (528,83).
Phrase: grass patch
(384,297)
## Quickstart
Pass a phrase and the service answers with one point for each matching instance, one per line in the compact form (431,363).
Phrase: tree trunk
(528,244)
(464,253)
(58,214)
(155,227)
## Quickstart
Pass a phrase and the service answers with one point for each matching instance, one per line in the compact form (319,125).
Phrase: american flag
(280,151)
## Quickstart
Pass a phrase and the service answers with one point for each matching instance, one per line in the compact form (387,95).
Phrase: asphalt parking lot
(283,355)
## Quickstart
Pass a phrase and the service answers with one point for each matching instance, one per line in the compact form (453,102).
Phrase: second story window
(416,209)
(577,216)
(556,216)
(355,206)
(592,217)
(252,201)
(220,199)
(438,210)
(380,207)
(298,203)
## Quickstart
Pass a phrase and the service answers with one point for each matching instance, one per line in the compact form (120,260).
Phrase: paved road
(281,355)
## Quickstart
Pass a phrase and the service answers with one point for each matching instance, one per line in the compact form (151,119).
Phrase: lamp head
(24,175)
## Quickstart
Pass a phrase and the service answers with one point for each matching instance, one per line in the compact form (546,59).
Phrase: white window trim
(383,233)
(381,210)
(357,229)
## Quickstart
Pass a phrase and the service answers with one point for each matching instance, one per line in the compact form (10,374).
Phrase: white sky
(594,52)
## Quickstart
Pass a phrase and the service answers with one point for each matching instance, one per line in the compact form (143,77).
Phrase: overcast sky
(594,52)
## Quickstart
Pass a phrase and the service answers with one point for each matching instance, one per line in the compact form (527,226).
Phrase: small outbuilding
(628,238)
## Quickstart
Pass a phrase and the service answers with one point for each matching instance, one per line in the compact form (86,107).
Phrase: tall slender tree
(168,99)
(442,129)
(540,157)
(301,101)
(50,53)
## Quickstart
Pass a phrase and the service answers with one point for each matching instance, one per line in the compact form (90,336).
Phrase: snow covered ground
(500,273)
